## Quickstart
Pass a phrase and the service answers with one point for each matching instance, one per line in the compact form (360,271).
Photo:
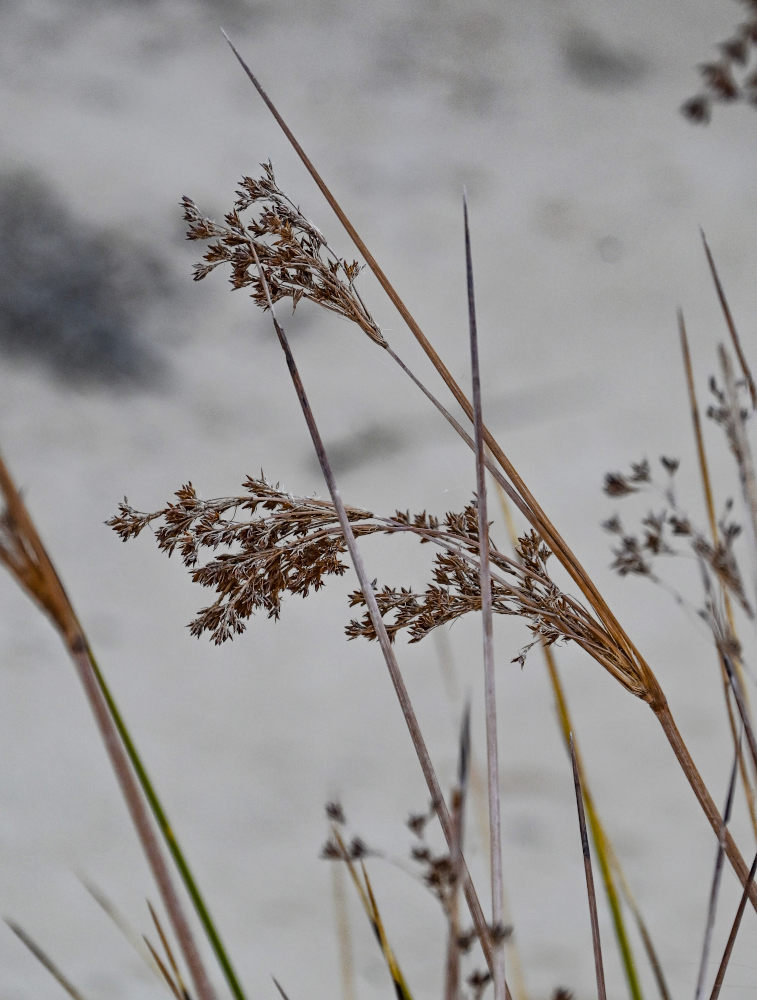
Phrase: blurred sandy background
(119,376)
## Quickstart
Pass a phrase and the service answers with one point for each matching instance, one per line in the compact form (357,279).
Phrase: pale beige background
(587,190)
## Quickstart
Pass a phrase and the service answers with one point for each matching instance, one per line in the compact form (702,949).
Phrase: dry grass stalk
(720,976)
(336,848)
(598,966)
(175,978)
(164,971)
(704,472)
(614,650)
(457,810)
(44,959)
(608,861)
(716,881)
(515,488)
(278,986)
(25,557)
(343,936)
(735,339)
(740,700)
(485,590)
(731,77)
(734,418)
(382,635)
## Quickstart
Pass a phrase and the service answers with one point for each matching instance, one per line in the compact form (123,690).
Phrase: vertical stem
(704,473)
(598,965)
(490,701)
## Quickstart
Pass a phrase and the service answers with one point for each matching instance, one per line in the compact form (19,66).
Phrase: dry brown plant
(295,259)
(553,615)
(25,556)
(732,76)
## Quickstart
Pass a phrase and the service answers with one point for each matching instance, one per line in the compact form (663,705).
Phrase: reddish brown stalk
(730,324)
(734,931)
(427,767)
(598,966)
(704,798)
(31,566)
(490,700)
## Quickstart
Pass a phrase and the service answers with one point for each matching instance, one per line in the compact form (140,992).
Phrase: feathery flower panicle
(287,545)
(290,544)
(296,260)
(670,532)
(728,78)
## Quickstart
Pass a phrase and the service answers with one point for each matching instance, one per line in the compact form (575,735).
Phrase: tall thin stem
(427,767)
(490,700)
(35,572)
(598,964)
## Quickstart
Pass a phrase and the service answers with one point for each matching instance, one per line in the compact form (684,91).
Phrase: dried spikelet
(662,531)
(26,559)
(289,544)
(295,258)
(727,79)
(730,418)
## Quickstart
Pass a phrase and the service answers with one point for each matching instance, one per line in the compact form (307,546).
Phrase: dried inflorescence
(293,254)
(670,532)
(289,544)
(25,557)
(435,870)
(521,589)
(730,415)
(730,77)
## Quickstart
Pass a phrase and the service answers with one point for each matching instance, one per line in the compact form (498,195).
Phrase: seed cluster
(730,77)
(293,254)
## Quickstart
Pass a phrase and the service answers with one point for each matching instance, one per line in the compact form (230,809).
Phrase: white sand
(586,202)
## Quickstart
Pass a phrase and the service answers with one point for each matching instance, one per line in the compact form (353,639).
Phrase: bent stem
(25,556)
(669,727)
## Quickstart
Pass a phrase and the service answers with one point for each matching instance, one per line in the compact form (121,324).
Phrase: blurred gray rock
(73,297)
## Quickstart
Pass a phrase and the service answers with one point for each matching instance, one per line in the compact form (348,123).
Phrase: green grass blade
(169,837)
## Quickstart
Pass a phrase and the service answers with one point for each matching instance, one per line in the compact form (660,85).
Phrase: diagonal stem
(429,773)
